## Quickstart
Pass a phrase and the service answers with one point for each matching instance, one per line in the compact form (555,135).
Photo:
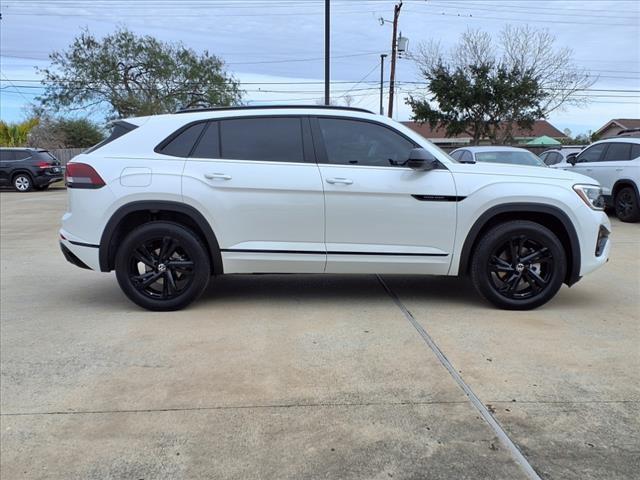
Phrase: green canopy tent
(543,141)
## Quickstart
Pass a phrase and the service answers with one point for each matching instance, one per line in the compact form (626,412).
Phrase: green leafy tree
(135,75)
(16,134)
(80,133)
(65,133)
(483,101)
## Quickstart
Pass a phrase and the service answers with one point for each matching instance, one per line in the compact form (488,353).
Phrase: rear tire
(162,266)
(626,205)
(22,182)
(518,265)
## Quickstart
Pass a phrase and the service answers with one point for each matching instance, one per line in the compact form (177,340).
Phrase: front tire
(518,265)
(22,182)
(626,205)
(162,266)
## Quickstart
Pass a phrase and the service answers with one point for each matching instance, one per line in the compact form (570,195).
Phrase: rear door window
(22,154)
(7,156)
(617,152)
(271,139)
(635,151)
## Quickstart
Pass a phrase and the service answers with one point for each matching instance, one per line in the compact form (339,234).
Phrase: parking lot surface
(290,376)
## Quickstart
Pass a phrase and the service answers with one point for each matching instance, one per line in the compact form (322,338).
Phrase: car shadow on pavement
(337,288)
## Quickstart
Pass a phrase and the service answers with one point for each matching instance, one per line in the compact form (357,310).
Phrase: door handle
(343,181)
(589,169)
(213,176)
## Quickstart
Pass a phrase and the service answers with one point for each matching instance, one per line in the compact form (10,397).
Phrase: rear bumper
(79,253)
(42,180)
(71,258)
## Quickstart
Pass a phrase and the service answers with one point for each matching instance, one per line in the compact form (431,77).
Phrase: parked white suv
(169,200)
(615,164)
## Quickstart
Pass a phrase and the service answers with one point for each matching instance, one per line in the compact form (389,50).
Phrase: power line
(523,10)
(526,20)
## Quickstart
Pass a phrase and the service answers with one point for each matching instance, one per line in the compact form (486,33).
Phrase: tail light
(44,165)
(81,175)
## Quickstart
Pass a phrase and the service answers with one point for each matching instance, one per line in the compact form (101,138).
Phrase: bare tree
(530,51)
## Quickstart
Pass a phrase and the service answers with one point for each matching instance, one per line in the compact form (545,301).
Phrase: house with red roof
(615,126)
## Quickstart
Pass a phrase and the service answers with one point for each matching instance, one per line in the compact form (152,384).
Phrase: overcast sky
(277,46)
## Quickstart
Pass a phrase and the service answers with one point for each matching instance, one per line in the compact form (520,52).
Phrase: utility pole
(396,14)
(327,76)
(382,57)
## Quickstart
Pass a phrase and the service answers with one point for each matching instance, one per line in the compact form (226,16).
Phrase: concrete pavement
(306,376)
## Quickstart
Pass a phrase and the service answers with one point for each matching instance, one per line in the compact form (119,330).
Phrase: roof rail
(266,107)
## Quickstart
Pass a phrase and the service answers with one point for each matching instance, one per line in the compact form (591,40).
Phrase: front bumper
(596,247)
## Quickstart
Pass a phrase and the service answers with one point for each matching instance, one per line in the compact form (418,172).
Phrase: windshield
(511,157)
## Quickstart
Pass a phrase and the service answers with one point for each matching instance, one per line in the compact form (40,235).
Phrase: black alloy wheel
(520,268)
(626,205)
(162,266)
(518,265)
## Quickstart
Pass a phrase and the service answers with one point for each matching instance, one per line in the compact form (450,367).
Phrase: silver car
(493,154)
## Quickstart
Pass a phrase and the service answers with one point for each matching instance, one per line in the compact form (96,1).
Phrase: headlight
(591,195)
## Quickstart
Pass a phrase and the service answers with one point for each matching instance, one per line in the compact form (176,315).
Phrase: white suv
(169,200)
(615,164)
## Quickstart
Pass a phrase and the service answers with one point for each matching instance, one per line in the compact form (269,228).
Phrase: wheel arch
(19,171)
(622,183)
(133,214)
(547,215)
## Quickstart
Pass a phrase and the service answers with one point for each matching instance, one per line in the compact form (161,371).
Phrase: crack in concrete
(234,407)
(473,398)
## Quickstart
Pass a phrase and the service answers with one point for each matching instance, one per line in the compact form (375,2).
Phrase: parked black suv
(28,168)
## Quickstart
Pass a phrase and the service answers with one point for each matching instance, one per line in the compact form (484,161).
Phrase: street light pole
(382,57)
(327,76)
(396,14)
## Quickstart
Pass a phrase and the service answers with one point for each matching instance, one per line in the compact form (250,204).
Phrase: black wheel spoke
(170,281)
(513,282)
(499,265)
(536,279)
(147,279)
(536,256)
(168,248)
(142,254)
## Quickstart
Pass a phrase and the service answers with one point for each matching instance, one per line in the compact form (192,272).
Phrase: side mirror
(421,159)
(572,158)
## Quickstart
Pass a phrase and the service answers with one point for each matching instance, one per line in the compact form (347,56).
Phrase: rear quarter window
(182,142)
(118,129)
